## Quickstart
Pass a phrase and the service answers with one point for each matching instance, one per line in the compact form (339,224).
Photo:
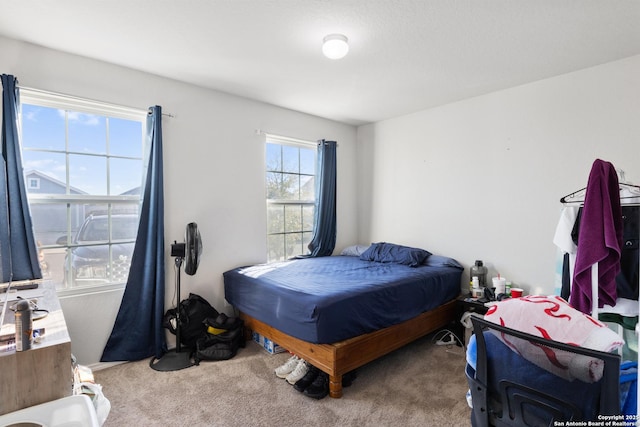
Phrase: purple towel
(599,239)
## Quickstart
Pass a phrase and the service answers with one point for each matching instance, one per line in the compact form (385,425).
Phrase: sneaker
(319,388)
(288,367)
(347,379)
(308,378)
(299,372)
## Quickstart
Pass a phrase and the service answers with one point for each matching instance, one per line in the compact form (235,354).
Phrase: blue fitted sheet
(329,299)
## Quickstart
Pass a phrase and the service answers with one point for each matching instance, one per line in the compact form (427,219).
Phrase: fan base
(172,361)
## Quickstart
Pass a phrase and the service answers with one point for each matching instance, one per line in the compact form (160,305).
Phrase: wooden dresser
(44,372)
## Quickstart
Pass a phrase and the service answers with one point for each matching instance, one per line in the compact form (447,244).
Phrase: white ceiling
(405,55)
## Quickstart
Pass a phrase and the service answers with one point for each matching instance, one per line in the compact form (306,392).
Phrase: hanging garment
(627,280)
(600,239)
(568,247)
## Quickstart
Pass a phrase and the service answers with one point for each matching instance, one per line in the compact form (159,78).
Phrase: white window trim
(61,101)
(285,140)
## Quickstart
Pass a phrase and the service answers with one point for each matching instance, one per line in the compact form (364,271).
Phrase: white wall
(213,171)
(482,178)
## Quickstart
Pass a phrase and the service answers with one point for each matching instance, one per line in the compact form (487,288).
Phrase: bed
(341,312)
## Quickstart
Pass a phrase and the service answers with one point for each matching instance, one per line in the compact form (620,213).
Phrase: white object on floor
(288,367)
(448,339)
(72,411)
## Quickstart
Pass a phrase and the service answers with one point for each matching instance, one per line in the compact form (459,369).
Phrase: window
(33,184)
(290,180)
(82,163)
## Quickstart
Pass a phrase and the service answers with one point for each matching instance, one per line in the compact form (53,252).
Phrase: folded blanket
(554,319)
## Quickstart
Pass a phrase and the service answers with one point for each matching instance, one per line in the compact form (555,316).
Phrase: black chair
(508,390)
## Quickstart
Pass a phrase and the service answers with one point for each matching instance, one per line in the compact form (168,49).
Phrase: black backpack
(225,335)
(193,311)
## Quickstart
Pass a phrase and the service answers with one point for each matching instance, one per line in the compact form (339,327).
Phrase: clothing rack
(633,193)
(630,193)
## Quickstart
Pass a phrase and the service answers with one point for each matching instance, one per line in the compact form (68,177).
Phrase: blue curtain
(18,251)
(324,230)
(138,332)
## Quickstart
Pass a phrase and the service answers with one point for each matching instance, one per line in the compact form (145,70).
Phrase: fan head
(193,249)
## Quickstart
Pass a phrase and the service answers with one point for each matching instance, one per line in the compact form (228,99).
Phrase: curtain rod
(87,100)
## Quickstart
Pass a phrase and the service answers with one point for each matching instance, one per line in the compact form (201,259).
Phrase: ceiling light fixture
(335,46)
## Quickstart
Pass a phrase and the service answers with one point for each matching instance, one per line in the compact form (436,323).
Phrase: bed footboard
(341,357)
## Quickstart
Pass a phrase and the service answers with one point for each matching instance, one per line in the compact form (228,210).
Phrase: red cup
(516,292)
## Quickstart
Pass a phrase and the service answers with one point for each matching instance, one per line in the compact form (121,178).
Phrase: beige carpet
(421,384)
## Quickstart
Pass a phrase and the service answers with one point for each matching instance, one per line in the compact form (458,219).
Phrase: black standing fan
(189,252)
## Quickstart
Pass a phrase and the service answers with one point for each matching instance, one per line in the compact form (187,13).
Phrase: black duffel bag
(223,343)
(193,312)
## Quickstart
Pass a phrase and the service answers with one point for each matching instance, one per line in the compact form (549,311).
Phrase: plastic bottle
(24,326)
(473,284)
(480,271)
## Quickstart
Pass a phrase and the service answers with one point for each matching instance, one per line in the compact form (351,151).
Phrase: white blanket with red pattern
(551,317)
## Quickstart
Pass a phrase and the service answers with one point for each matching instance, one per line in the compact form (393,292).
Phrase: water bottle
(480,271)
(24,325)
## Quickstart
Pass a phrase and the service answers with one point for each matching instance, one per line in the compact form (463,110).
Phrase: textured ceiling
(405,55)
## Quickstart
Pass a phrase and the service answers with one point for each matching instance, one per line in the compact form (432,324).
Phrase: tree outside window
(290,193)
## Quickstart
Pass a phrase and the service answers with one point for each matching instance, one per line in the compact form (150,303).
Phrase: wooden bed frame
(341,357)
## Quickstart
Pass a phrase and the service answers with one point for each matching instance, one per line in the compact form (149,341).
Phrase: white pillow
(355,250)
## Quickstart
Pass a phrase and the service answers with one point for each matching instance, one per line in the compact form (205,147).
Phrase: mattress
(329,299)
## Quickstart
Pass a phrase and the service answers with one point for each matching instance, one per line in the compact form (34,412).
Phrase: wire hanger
(576,193)
(631,191)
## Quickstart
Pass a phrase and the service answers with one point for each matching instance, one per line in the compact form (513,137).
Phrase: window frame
(297,143)
(47,99)
(33,183)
